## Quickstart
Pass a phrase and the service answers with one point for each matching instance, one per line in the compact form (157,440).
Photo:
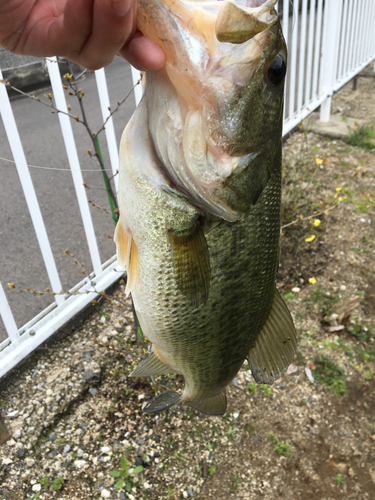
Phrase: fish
(200,197)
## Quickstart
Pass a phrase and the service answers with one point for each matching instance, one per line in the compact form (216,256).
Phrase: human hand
(88,32)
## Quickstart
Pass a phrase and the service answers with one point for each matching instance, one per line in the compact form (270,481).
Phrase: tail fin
(162,402)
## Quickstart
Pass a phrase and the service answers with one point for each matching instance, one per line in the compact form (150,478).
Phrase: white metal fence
(329,42)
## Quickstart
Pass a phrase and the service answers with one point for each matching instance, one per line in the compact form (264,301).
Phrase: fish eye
(276,70)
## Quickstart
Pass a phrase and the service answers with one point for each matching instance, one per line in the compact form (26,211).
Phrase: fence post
(328,64)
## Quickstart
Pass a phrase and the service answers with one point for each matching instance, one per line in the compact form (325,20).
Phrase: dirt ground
(78,430)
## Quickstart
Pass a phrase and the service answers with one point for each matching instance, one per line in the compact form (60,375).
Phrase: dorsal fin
(274,348)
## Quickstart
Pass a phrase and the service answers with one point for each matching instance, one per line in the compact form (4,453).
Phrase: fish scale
(201,258)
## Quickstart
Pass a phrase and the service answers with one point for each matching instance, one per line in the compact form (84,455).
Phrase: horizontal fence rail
(329,42)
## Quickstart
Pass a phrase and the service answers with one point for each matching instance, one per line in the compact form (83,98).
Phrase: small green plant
(170,491)
(280,447)
(331,375)
(231,433)
(252,388)
(125,476)
(340,479)
(127,390)
(56,485)
(236,479)
(213,469)
(363,137)
(266,389)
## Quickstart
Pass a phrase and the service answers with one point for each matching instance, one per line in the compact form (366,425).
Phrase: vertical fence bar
(317,48)
(105,104)
(367,35)
(285,27)
(343,41)
(7,316)
(352,36)
(348,37)
(71,151)
(309,66)
(28,191)
(293,63)
(302,56)
(359,34)
(331,29)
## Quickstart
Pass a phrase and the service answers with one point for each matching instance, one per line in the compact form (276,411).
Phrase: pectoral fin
(151,365)
(275,346)
(127,254)
(191,262)
(216,405)
(162,402)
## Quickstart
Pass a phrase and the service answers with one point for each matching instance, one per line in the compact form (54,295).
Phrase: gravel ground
(76,421)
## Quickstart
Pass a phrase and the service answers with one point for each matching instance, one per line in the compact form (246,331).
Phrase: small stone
(66,449)
(13,414)
(66,463)
(310,399)
(52,437)
(17,433)
(37,487)
(29,462)
(255,438)
(351,472)
(190,492)
(40,410)
(11,442)
(309,375)
(282,386)
(122,496)
(89,374)
(105,494)
(313,432)
(296,289)
(373,437)
(105,449)
(88,355)
(93,392)
(20,453)
(7,461)
(79,464)
(185,494)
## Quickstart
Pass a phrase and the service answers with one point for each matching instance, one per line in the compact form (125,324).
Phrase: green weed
(331,375)
(236,479)
(280,447)
(252,388)
(266,389)
(363,137)
(340,480)
(125,476)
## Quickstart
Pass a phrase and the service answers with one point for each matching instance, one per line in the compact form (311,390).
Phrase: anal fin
(151,365)
(191,261)
(275,346)
(162,402)
(215,405)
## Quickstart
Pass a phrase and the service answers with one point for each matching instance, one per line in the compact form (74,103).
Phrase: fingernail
(121,7)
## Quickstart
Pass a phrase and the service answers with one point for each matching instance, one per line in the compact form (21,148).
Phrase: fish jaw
(200,103)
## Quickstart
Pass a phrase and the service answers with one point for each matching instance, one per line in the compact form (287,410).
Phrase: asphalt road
(20,258)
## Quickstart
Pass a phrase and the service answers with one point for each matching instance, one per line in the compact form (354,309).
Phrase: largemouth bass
(199,197)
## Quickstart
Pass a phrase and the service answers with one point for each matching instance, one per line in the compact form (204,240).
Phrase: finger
(113,23)
(143,53)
